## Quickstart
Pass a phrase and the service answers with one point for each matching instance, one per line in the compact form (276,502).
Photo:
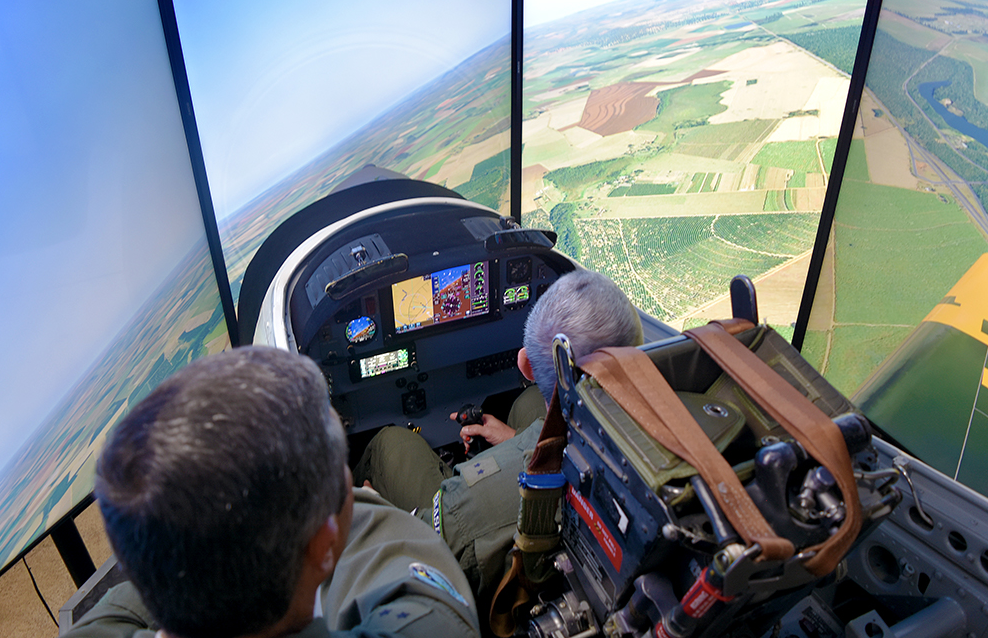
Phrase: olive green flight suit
(474,506)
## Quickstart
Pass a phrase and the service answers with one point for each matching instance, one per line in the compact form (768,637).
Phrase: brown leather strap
(734,326)
(804,421)
(511,594)
(548,455)
(631,379)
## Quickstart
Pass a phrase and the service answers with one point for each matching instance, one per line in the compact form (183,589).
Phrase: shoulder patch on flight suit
(394,616)
(478,469)
(435,578)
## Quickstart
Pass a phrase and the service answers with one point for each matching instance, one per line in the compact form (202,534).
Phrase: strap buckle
(541,481)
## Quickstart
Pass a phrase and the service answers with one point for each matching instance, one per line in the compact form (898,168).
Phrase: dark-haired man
(475,507)
(228,502)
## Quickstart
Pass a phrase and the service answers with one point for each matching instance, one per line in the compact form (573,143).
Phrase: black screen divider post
(73,551)
(855,90)
(169,25)
(517,80)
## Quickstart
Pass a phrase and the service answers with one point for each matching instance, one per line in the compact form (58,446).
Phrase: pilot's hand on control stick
(492,430)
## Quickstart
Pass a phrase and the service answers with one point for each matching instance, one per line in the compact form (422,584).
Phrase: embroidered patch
(437,512)
(435,578)
(478,469)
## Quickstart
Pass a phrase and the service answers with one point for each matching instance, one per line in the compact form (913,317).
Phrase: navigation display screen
(443,296)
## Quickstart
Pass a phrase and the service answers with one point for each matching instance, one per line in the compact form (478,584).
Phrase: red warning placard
(597,526)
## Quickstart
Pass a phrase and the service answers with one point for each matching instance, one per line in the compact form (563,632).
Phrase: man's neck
(299,615)
(284,627)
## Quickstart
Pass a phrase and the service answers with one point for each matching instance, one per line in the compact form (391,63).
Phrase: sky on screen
(275,85)
(97,202)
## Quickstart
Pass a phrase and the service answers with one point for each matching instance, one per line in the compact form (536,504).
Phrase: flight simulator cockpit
(412,307)
(671,155)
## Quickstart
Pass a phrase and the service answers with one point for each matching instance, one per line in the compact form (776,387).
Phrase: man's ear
(320,551)
(525,365)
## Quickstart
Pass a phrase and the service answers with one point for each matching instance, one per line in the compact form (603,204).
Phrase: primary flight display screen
(441,297)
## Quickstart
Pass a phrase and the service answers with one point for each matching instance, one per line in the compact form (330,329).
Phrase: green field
(643,190)
(789,234)
(837,46)
(797,156)
(435,168)
(696,182)
(774,200)
(722,141)
(857,163)
(814,348)
(923,243)
(828,148)
(857,351)
(656,259)
(686,106)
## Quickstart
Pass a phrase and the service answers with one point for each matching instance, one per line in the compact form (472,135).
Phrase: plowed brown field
(619,107)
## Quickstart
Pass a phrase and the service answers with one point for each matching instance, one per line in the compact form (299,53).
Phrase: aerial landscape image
(181,321)
(673,145)
(103,259)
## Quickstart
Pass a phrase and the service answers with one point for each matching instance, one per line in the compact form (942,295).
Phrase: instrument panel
(412,308)
(413,350)
(411,299)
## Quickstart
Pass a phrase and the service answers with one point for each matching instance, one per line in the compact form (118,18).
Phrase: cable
(43,601)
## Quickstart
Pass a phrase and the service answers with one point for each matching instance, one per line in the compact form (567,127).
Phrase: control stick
(470,414)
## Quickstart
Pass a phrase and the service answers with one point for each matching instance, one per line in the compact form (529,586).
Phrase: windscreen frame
(862,58)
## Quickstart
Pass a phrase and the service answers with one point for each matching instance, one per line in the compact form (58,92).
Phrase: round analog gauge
(520,270)
(360,330)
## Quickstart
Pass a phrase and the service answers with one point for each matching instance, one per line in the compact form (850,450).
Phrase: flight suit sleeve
(397,575)
(119,614)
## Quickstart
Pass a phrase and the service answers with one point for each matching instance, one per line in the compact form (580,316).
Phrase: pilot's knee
(392,447)
(394,438)
(376,453)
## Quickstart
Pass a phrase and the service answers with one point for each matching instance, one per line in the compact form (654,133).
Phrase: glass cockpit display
(385,362)
(361,330)
(441,297)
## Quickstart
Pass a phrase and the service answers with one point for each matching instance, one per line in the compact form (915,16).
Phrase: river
(957,122)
